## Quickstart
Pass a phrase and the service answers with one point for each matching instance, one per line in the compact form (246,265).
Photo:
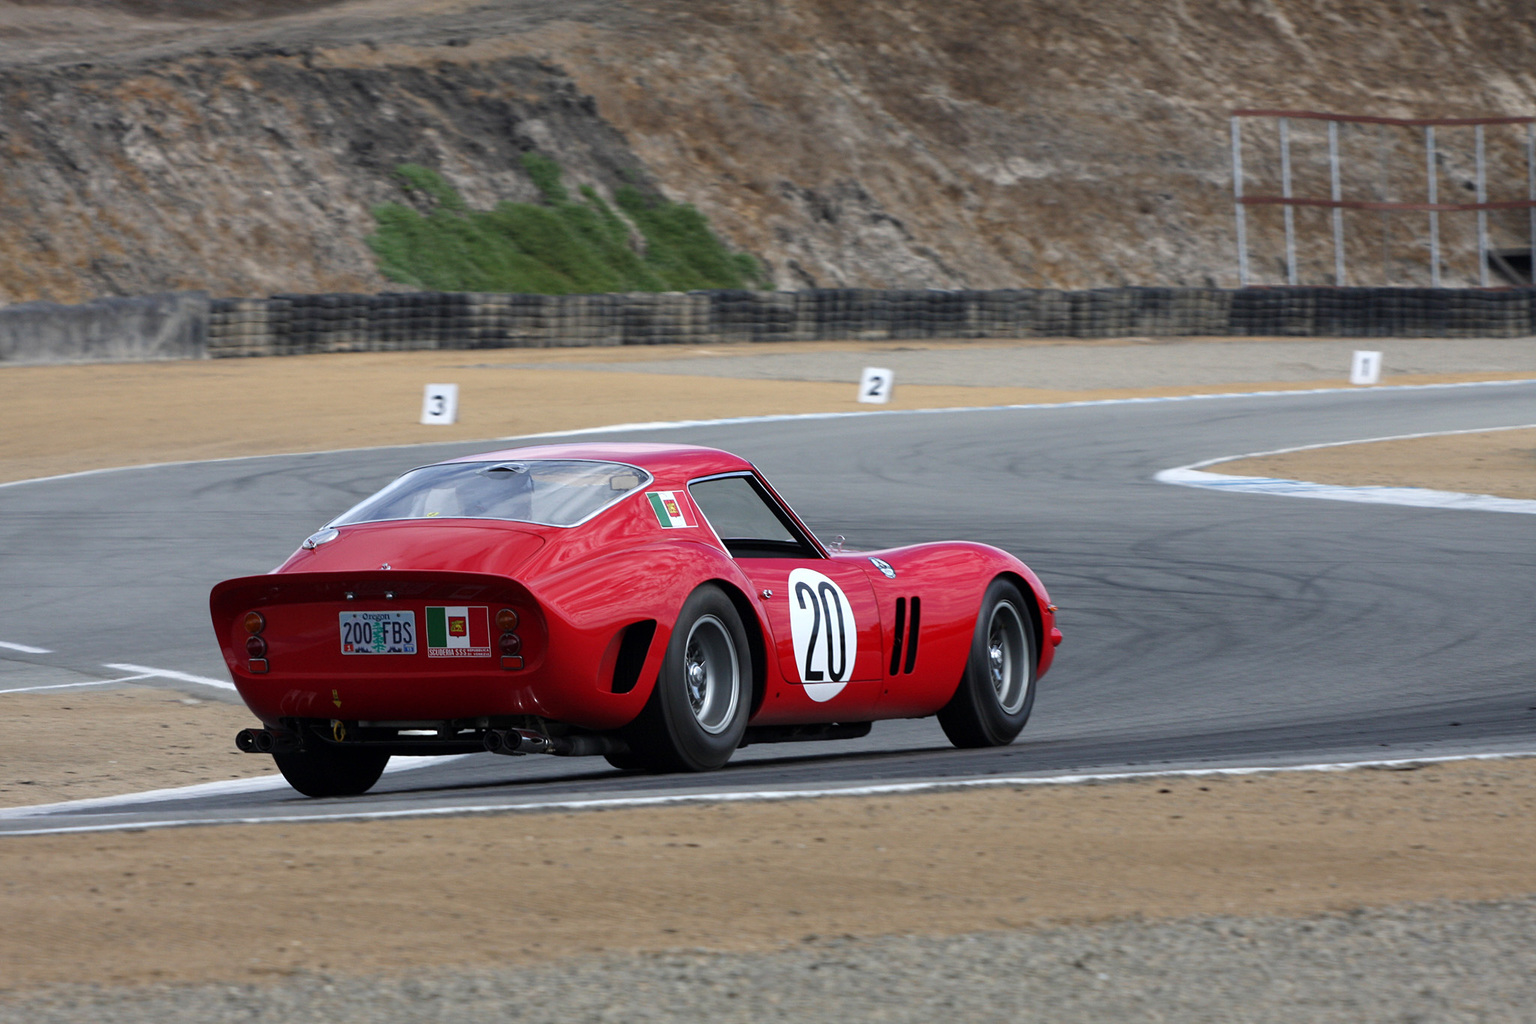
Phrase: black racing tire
(626,761)
(997,691)
(697,713)
(330,771)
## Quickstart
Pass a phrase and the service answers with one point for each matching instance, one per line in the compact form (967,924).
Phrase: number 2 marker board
(440,404)
(876,384)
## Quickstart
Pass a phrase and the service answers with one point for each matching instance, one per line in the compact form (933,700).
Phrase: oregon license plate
(378,632)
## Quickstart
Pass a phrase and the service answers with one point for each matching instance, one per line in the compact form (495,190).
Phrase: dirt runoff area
(1499,462)
(264,904)
(64,419)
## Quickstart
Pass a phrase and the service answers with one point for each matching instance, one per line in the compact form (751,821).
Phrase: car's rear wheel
(625,761)
(331,771)
(697,713)
(997,691)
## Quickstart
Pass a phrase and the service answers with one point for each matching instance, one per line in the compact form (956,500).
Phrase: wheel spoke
(1006,654)
(711,670)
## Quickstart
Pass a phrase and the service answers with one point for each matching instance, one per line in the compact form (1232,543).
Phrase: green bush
(562,246)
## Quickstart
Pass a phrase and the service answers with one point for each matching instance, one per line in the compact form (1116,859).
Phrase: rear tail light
(255,646)
(510,644)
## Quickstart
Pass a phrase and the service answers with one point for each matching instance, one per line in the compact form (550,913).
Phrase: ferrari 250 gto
(658,605)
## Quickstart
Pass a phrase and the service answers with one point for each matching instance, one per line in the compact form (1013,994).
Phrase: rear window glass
(551,492)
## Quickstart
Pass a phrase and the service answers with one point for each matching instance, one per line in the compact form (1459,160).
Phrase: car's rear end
(417,659)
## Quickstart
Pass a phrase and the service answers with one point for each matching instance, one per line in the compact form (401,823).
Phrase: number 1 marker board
(440,404)
(1365,368)
(876,384)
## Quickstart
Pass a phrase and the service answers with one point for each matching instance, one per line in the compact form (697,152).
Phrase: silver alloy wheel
(1007,650)
(711,674)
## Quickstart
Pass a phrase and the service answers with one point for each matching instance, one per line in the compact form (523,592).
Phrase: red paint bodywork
(575,590)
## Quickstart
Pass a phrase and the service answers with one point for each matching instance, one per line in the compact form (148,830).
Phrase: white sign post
(1366,368)
(440,404)
(876,384)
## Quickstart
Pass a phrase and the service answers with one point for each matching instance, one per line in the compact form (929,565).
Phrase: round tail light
(255,646)
(511,643)
(255,622)
(506,620)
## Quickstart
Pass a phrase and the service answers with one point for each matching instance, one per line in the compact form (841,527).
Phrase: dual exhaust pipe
(515,742)
(265,741)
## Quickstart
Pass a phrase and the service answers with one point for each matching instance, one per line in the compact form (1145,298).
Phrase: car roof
(662,461)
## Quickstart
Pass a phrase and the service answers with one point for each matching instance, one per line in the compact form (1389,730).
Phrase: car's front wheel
(331,771)
(697,713)
(997,691)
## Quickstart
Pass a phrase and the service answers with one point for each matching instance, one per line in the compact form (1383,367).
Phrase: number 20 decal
(825,634)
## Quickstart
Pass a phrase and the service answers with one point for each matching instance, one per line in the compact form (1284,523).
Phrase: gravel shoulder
(1447,962)
(274,904)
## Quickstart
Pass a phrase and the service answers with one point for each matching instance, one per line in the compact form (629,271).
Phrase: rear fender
(596,602)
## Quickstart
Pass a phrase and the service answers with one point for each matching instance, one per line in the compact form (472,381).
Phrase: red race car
(659,605)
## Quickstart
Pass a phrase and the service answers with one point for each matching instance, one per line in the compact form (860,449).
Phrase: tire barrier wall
(288,324)
(188,325)
(172,326)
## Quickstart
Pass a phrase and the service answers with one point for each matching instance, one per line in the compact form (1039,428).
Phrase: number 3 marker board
(440,404)
(876,384)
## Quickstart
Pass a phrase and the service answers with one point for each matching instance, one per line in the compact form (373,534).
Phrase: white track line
(71,686)
(756,796)
(165,673)
(224,787)
(24,648)
(1193,475)
(787,417)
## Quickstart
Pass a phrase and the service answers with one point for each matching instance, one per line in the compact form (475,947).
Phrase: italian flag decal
(458,632)
(671,508)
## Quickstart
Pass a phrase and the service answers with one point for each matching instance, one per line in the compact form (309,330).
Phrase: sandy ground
(120,741)
(247,903)
(61,419)
(1499,462)
(253,903)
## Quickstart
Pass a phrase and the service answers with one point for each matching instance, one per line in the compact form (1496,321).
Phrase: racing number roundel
(825,635)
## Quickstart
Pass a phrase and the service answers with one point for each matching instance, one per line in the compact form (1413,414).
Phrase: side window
(747,521)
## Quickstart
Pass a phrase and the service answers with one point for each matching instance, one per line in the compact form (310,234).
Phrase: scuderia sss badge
(458,632)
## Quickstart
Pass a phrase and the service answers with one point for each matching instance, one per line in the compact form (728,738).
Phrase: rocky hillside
(153,144)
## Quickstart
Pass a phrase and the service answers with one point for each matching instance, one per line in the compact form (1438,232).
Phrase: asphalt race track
(1203,629)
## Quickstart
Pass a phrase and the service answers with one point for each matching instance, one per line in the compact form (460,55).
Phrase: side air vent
(896,633)
(917,618)
(633,648)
